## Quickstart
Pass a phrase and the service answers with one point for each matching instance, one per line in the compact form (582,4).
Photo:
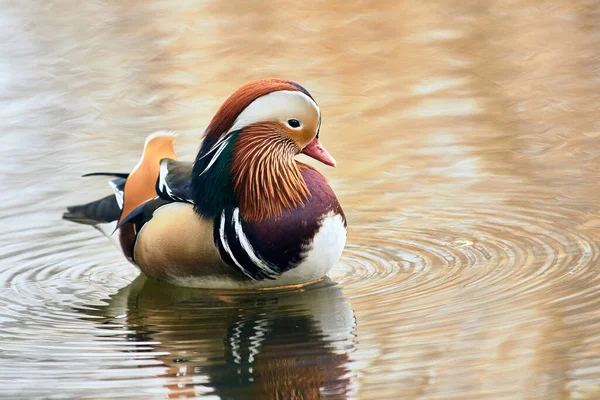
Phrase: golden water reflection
(293,344)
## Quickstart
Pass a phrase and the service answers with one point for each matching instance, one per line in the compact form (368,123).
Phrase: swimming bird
(245,213)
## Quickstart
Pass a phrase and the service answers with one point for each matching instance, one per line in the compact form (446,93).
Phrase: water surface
(467,141)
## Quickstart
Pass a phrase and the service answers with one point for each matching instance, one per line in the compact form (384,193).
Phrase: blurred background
(466,135)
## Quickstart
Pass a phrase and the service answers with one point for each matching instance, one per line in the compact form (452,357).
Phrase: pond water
(467,140)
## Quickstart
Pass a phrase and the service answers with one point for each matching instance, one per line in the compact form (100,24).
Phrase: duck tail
(101,211)
(105,210)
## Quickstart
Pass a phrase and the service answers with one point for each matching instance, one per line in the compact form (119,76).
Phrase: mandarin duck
(245,213)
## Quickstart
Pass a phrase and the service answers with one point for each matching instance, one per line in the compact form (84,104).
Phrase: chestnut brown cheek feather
(265,176)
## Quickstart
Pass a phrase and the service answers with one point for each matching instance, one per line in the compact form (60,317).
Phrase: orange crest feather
(141,183)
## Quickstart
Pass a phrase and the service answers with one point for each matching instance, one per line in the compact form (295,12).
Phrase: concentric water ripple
(436,273)
(447,274)
(483,248)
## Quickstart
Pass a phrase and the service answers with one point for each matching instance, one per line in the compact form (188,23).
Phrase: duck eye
(294,123)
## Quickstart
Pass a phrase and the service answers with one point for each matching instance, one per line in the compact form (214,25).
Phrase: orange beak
(315,150)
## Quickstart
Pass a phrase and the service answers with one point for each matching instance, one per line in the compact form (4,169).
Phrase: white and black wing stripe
(174,181)
(237,250)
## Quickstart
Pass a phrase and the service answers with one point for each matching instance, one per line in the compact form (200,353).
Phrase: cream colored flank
(322,255)
(178,242)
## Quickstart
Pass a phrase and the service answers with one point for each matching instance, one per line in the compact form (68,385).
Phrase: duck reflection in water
(272,344)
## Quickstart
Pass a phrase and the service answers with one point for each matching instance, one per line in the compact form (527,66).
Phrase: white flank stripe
(226,246)
(239,231)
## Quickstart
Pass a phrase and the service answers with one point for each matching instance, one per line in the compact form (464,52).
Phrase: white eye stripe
(281,105)
(245,243)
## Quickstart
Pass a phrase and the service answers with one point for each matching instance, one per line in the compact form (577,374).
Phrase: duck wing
(175,180)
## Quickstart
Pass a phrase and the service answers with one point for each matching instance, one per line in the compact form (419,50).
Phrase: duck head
(247,155)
